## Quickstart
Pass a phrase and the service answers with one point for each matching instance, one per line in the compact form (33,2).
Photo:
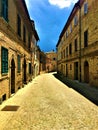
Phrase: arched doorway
(12,76)
(86,72)
(24,74)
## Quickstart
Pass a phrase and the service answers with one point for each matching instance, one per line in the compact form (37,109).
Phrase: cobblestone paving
(48,104)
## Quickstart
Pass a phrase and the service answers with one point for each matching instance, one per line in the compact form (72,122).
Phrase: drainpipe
(79,42)
(31,65)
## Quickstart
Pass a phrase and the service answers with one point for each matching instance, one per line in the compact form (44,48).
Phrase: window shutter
(4,60)
(5,9)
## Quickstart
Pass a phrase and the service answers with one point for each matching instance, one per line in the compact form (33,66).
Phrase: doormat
(10,108)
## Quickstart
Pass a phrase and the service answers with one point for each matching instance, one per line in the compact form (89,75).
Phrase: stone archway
(12,76)
(86,72)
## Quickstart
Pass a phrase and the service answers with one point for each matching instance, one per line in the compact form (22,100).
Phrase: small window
(70,28)
(70,48)
(70,67)
(18,63)
(19,25)
(85,8)
(29,44)
(75,45)
(86,38)
(75,20)
(4,60)
(54,58)
(66,51)
(66,33)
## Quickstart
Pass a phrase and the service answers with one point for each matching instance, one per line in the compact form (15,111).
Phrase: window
(18,25)
(5,9)
(66,33)
(70,66)
(75,20)
(70,28)
(85,8)
(18,63)
(86,38)
(24,34)
(70,48)
(54,58)
(66,51)
(4,60)
(75,45)
(29,45)
(30,68)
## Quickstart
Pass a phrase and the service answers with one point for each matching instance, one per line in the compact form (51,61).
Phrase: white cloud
(62,3)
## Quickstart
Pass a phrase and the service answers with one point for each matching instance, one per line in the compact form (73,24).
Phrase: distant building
(77,47)
(51,61)
(42,62)
(16,44)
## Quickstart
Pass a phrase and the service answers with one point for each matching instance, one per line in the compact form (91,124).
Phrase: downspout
(79,42)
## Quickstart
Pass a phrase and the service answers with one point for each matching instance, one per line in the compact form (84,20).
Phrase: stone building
(51,61)
(42,60)
(77,47)
(16,32)
(35,51)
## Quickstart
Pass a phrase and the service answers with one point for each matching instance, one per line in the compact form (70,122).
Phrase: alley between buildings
(48,104)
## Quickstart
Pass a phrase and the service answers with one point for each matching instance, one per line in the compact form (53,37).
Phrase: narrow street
(48,104)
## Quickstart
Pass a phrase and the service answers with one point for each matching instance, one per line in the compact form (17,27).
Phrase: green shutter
(4,60)
(5,9)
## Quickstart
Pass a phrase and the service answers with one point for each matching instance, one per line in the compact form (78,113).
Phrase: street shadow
(91,93)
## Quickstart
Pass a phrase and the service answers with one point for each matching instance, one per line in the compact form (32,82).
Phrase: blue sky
(50,17)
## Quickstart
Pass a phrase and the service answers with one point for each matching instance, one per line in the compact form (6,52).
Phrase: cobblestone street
(48,104)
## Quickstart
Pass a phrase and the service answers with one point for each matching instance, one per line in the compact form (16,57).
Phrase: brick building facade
(16,32)
(77,47)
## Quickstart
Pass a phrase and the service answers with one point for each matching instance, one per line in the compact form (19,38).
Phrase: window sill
(4,74)
(4,78)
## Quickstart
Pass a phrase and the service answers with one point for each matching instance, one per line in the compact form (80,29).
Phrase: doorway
(76,70)
(66,70)
(24,74)
(86,72)
(12,76)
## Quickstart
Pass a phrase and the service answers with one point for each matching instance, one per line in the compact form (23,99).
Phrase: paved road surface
(48,104)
